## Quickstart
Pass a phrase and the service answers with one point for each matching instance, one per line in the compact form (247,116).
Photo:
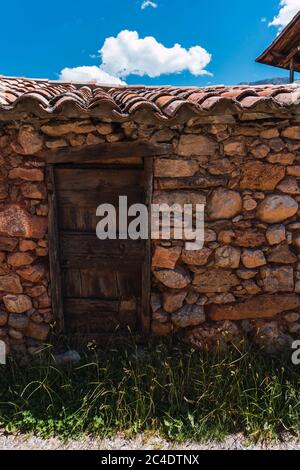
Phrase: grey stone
(69,357)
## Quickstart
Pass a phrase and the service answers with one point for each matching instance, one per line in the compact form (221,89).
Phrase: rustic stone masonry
(245,282)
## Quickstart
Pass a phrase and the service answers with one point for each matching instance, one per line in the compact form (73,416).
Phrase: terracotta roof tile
(43,97)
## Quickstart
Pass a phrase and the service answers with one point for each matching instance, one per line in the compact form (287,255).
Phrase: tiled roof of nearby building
(44,97)
(284,47)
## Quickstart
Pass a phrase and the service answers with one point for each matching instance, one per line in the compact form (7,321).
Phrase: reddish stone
(163,135)
(261,151)
(4,268)
(161,329)
(17,303)
(32,273)
(261,176)
(261,306)
(116,137)
(37,331)
(251,287)
(192,144)
(278,279)
(165,257)
(57,143)
(190,182)
(44,301)
(30,141)
(227,257)
(36,317)
(270,133)
(93,139)
(226,237)
(282,254)
(104,128)
(222,166)
(41,251)
(178,197)
(47,315)
(276,234)
(246,273)
(224,204)
(26,174)
(214,280)
(173,278)
(76,127)
(220,299)
(277,145)
(3,318)
(296,240)
(248,238)
(17,222)
(289,186)
(214,336)
(253,258)
(10,283)
(235,147)
(292,133)
(20,259)
(35,291)
(3,190)
(293,170)
(276,208)
(249,204)
(33,191)
(192,297)
(173,300)
(8,244)
(27,245)
(282,158)
(76,140)
(165,167)
(196,257)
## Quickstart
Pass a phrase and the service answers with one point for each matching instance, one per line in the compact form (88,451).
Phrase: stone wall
(246,279)
(245,282)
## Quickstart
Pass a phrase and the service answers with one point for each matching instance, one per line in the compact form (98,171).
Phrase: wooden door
(101,279)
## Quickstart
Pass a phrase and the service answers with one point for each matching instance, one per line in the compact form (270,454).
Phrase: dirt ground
(235,442)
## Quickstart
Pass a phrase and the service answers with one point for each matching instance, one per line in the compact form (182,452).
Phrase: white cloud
(148,3)
(288,9)
(128,54)
(88,74)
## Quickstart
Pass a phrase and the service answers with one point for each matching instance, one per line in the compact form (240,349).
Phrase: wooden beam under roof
(104,151)
(284,48)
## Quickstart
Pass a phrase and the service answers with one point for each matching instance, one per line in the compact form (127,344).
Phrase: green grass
(162,387)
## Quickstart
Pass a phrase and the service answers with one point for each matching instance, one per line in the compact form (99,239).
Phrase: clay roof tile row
(46,97)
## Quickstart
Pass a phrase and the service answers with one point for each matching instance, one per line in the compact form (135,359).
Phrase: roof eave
(262,58)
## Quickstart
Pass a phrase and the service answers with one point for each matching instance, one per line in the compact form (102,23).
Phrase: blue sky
(40,39)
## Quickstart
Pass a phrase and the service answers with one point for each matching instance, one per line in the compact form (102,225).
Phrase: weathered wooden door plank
(54,261)
(145,314)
